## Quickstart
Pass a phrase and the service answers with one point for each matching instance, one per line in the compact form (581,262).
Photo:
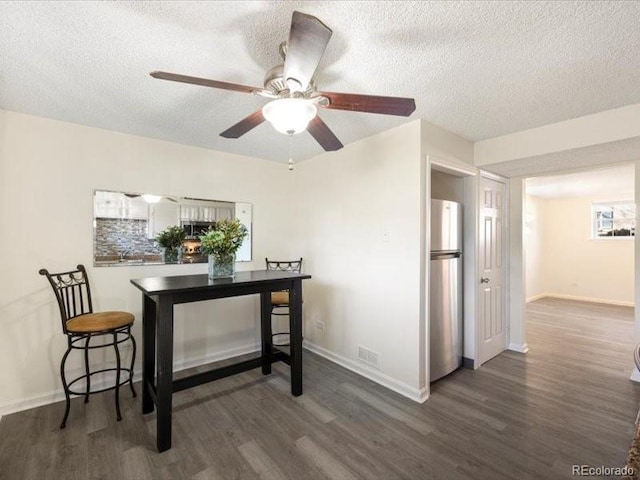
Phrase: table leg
(295,336)
(265,329)
(164,386)
(148,350)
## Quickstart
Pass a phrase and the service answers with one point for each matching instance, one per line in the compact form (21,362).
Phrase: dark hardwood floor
(568,401)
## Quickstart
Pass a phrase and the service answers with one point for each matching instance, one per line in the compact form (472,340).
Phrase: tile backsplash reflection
(121,236)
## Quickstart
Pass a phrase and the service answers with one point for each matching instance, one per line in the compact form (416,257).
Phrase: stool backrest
(72,292)
(284,265)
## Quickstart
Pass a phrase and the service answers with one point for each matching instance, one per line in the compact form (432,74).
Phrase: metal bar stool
(81,325)
(280,300)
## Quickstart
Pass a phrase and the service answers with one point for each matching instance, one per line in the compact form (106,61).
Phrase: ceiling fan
(292,90)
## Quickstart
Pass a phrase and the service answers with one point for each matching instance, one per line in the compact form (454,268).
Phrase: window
(613,219)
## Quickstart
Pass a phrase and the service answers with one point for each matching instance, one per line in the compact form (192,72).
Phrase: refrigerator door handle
(445,255)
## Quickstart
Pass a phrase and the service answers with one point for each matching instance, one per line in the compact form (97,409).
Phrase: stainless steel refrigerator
(445,288)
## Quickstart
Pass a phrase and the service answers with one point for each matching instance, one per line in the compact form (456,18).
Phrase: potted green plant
(221,242)
(171,240)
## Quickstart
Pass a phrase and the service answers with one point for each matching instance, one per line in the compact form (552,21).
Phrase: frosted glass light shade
(289,115)
(151,198)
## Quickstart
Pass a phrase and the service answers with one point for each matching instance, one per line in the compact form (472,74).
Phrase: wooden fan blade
(308,40)
(369,103)
(244,125)
(323,135)
(205,82)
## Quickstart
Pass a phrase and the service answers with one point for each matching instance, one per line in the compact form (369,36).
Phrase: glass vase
(222,266)
(172,255)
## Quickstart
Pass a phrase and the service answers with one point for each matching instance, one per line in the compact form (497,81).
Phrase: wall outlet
(368,356)
(385,236)
(319,325)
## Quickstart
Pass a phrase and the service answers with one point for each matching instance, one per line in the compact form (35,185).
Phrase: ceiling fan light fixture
(294,93)
(290,115)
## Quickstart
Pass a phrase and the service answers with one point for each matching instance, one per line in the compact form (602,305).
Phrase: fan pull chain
(290,154)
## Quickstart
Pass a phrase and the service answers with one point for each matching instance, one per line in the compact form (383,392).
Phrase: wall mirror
(126,225)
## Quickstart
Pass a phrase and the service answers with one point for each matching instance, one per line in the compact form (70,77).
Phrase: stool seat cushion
(99,322)
(279,298)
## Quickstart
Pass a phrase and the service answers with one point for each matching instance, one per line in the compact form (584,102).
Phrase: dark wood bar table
(160,294)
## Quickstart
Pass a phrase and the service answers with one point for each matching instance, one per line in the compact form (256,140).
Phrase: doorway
(578,236)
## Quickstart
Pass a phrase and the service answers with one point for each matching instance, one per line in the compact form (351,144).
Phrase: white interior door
(492,295)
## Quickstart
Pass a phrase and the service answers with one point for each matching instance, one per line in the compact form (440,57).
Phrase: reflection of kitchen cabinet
(224,213)
(197,213)
(185,213)
(107,205)
(206,213)
(162,216)
(118,205)
(138,209)
(106,210)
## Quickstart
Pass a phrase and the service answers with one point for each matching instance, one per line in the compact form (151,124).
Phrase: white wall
(516,244)
(361,221)
(534,251)
(572,264)
(48,171)
(445,146)
(358,220)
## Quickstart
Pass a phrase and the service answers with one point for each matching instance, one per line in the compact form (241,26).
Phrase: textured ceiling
(479,69)
(616,182)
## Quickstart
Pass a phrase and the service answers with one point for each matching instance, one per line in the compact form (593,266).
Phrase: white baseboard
(415,394)
(518,347)
(536,297)
(182,364)
(580,299)
(423,395)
